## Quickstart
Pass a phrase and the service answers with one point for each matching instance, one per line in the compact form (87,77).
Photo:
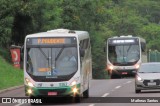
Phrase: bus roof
(61,33)
(125,37)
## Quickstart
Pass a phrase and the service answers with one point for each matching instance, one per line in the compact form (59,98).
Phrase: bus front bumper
(52,91)
(124,72)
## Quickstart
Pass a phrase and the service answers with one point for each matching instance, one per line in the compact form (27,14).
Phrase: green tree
(7,8)
(35,16)
(151,33)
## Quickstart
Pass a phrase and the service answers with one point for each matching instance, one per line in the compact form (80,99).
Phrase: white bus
(57,63)
(124,55)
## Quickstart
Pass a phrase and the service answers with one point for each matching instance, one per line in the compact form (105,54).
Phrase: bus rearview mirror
(22,52)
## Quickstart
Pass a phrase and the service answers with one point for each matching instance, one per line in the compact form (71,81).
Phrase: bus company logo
(51,85)
(6,100)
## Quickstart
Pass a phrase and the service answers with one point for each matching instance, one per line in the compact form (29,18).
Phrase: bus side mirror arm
(22,52)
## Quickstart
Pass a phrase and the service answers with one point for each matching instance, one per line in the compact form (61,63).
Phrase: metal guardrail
(153,56)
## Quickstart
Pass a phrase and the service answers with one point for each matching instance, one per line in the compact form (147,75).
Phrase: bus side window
(82,49)
(81,44)
(85,43)
(143,46)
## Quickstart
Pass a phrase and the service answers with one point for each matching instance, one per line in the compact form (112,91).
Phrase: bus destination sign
(123,41)
(51,41)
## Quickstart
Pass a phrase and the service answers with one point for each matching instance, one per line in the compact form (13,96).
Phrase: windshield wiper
(60,52)
(141,72)
(47,57)
(154,72)
(43,53)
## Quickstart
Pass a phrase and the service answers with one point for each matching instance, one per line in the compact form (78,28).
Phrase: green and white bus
(47,71)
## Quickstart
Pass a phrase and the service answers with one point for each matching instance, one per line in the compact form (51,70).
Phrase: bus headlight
(137,66)
(73,83)
(110,67)
(29,83)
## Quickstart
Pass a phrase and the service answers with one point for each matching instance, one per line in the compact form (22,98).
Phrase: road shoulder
(11,88)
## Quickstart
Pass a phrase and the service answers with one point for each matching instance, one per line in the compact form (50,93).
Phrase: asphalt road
(116,92)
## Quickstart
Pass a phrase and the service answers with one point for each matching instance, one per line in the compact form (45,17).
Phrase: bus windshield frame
(123,52)
(46,63)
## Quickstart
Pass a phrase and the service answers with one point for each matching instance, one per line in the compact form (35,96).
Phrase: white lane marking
(91,105)
(19,104)
(117,87)
(106,94)
(128,82)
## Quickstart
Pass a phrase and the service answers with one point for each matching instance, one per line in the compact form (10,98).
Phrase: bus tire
(112,76)
(86,93)
(78,99)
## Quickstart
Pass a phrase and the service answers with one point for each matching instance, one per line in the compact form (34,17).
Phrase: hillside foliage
(101,18)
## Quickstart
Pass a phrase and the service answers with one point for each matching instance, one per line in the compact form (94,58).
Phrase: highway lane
(125,88)
(100,89)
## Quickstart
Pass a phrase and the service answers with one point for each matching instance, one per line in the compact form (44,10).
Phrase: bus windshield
(52,64)
(124,54)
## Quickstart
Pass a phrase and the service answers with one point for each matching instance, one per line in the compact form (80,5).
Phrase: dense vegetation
(9,76)
(101,18)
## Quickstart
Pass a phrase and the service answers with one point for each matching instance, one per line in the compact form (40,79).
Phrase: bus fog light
(75,90)
(29,91)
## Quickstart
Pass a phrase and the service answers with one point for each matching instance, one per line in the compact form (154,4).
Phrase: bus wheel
(112,76)
(78,99)
(86,93)
(115,76)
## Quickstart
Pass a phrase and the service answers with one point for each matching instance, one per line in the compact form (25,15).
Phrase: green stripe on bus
(44,90)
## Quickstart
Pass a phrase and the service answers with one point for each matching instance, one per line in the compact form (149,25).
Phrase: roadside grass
(9,76)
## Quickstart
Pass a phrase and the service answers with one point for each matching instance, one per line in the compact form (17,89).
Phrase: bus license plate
(52,93)
(124,73)
(152,84)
